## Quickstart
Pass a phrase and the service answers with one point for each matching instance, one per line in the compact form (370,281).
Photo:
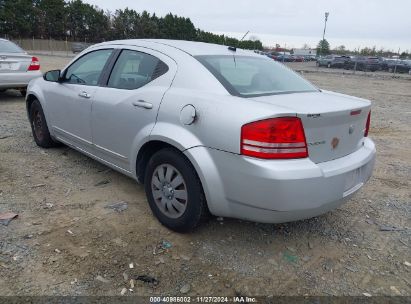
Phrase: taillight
(34,64)
(367,125)
(274,138)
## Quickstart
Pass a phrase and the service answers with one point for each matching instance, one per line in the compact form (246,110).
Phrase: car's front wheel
(174,191)
(39,126)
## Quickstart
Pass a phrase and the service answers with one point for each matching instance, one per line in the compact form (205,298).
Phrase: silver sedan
(207,129)
(17,68)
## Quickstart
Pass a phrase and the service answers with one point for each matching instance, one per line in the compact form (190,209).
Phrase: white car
(17,68)
(207,128)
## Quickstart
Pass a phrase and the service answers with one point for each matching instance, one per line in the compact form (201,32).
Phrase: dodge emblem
(334,142)
(351,129)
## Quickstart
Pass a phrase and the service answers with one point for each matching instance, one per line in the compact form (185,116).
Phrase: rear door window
(135,69)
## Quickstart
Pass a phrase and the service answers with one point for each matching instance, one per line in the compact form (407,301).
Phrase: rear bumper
(17,80)
(279,190)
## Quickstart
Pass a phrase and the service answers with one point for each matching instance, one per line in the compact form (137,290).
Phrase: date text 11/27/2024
(199,299)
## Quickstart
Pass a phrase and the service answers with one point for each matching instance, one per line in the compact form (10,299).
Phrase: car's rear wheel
(39,127)
(174,191)
(329,65)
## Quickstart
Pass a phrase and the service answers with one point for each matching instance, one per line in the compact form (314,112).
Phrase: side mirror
(53,76)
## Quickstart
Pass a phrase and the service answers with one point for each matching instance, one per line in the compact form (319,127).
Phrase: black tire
(329,65)
(39,127)
(196,209)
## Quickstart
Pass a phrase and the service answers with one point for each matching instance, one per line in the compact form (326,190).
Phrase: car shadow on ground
(331,224)
(10,96)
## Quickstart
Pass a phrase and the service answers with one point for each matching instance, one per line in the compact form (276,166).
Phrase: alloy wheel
(37,125)
(169,190)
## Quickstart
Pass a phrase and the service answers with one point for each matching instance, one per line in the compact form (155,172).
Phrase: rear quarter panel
(218,122)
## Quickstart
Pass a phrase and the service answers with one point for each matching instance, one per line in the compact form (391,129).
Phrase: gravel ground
(65,242)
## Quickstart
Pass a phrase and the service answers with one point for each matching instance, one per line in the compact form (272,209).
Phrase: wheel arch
(30,98)
(162,135)
(145,152)
(29,101)
(148,149)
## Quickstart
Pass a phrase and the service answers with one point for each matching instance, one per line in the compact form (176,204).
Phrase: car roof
(192,48)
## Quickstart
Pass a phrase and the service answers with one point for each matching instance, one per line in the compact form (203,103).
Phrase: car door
(69,101)
(125,108)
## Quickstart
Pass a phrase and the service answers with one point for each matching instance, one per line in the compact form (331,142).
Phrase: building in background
(305,52)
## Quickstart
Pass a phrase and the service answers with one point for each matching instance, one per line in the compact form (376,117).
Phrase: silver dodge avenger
(207,129)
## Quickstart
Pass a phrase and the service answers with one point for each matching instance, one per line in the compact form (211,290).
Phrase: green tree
(16,18)
(147,26)
(323,47)
(404,55)
(86,22)
(79,21)
(51,14)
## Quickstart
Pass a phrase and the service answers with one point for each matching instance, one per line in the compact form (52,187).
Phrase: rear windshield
(248,76)
(9,47)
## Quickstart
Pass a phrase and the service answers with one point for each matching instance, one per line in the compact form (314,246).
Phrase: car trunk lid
(333,123)
(14,62)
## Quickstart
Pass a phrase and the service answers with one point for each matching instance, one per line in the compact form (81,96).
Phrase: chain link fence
(397,71)
(51,47)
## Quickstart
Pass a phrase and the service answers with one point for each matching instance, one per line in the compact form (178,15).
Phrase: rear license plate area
(353,181)
(8,66)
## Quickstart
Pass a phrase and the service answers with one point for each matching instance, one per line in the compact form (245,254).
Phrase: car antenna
(244,36)
(233,48)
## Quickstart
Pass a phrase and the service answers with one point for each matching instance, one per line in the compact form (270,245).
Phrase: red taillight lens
(34,65)
(274,138)
(367,125)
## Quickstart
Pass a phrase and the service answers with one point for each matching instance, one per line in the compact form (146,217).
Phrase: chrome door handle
(84,94)
(142,104)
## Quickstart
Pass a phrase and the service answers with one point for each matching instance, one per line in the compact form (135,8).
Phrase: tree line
(323,48)
(78,21)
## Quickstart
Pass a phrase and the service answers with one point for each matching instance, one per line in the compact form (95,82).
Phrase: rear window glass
(248,76)
(135,69)
(9,47)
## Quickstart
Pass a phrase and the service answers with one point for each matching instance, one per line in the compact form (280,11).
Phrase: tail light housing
(274,138)
(34,64)
(367,125)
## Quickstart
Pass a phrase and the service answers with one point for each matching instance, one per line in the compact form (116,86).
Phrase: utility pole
(325,27)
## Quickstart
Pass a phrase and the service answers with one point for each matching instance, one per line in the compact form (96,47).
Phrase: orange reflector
(356,112)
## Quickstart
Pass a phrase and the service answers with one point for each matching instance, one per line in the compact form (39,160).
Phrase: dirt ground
(66,242)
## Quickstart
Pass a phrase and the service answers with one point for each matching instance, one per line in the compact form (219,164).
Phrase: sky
(291,23)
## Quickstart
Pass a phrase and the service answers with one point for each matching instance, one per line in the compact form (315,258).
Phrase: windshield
(248,76)
(9,47)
